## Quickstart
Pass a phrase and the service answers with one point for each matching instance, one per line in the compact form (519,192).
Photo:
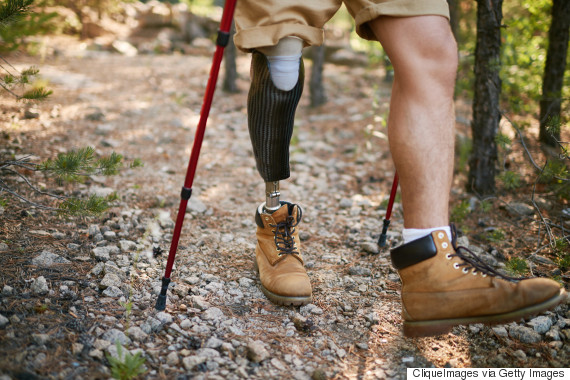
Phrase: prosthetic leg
(273,98)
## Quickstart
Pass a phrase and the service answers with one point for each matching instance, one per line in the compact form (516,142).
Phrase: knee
(433,63)
(439,60)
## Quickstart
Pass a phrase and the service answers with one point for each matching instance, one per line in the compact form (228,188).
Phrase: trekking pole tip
(384,234)
(161,301)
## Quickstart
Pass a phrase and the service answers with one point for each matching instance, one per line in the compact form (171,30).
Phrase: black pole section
(383,235)
(161,301)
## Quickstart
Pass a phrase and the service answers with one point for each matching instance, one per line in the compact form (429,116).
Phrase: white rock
(3,321)
(40,286)
(256,351)
(47,258)
(172,359)
(192,361)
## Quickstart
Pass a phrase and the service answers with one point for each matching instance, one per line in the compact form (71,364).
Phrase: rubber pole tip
(382,240)
(160,303)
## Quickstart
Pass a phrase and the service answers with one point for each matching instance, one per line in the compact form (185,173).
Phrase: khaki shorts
(264,23)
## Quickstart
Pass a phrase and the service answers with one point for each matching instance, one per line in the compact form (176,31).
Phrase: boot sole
(417,329)
(285,300)
(282,300)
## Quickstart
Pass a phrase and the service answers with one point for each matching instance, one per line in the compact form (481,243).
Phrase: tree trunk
(486,113)
(551,101)
(230,54)
(317,89)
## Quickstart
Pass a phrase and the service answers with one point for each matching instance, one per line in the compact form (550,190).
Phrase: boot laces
(284,239)
(470,261)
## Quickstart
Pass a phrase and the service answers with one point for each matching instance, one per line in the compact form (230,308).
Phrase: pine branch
(12,10)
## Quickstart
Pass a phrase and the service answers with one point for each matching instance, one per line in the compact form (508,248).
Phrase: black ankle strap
(413,253)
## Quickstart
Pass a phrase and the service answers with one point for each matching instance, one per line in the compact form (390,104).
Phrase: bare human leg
(421,123)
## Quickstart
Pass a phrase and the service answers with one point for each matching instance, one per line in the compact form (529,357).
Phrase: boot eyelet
(448,256)
(440,235)
(444,245)
(456,265)
(484,275)
(465,270)
(474,273)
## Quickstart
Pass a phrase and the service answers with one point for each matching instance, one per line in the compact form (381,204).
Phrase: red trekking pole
(221,43)
(382,238)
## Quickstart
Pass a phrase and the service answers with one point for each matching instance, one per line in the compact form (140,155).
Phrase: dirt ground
(147,107)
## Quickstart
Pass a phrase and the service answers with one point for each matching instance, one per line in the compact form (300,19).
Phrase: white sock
(284,70)
(411,234)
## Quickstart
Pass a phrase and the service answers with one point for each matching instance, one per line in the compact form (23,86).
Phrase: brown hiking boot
(277,254)
(444,286)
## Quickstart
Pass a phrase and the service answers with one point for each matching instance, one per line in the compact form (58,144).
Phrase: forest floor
(102,274)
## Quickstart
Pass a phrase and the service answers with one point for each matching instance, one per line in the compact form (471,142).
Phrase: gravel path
(218,324)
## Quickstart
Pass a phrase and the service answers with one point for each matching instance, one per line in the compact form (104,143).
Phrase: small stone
(212,313)
(185,324)
(518,208)
(41,339)
(277,364)
(77,348)
(58,235)
(519,354)
(172,359)
(97,354)
(500,331)
(163,317)
(245,282)
(345,203)
(47,259)
(110,279)
(7,291)
(524,334)
(214,343)
(319,374)
(104,253)
(93,230)
(192,361)
(362,345)
(4,247)
(359,271)
(40,286)
(370,247)
(256,351)
(127,245)
(137,333)
(113,292)
(3,321)
(115,335)
(541,324)
(200,303)
(110,235)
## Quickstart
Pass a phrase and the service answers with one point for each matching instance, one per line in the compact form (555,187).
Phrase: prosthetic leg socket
(271,114)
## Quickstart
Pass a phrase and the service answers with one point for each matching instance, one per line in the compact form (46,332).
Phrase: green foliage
(94,205)
(517,266)
(562,250)
(495,236)
(73,166)
(126,366)
(503,141)
(464,146)
(459,212)
(13,10)
(22,23)
(511,180)
(12,79)
(486,206)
